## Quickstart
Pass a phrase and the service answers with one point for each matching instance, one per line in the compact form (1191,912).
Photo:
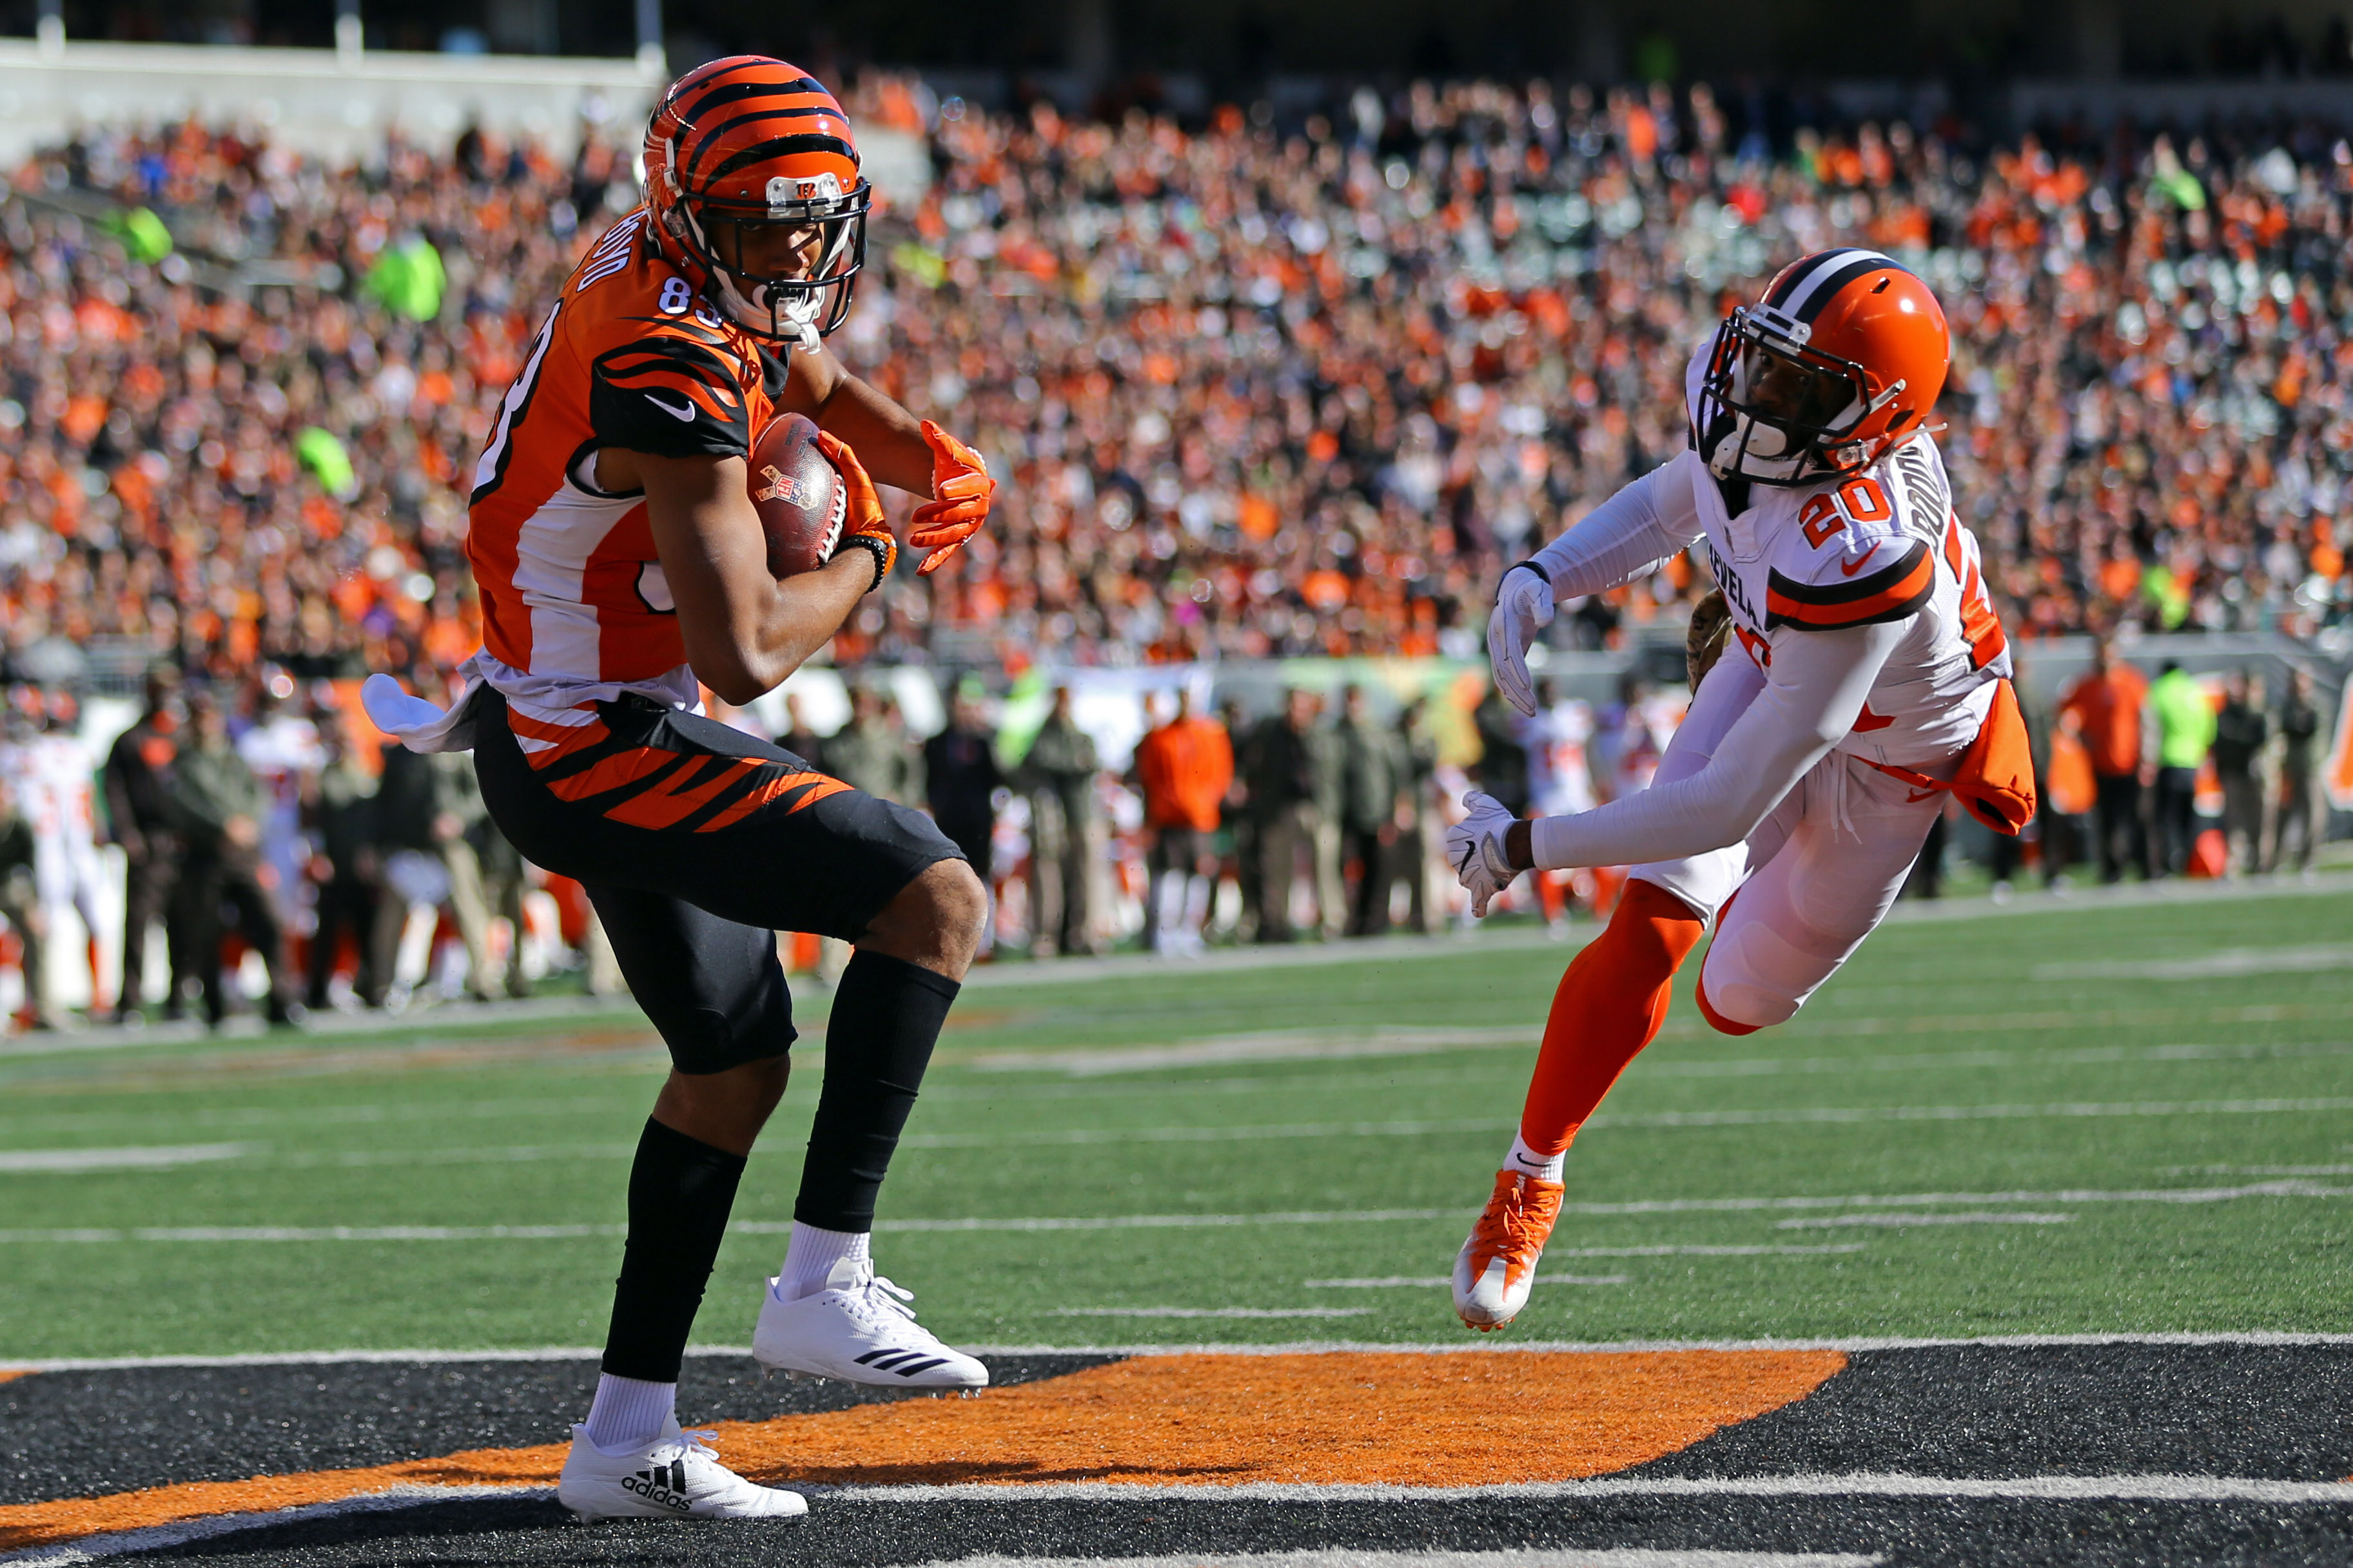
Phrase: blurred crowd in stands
(1253,390)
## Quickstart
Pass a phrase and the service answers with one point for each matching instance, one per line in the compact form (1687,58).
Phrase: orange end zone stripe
(1399,1419)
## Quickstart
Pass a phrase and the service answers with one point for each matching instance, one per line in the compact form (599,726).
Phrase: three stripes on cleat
(906,1364)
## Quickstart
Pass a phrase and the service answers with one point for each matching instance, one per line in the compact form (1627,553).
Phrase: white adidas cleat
(859,1329)
(676,1476)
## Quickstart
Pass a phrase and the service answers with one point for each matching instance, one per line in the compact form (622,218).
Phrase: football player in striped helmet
(622,567)
(1864,680)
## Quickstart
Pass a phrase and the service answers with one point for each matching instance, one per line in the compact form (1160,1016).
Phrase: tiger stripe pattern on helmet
(713,152)
(754,141)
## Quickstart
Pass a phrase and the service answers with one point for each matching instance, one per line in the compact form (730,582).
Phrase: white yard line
(1347,1044)
(1076,1137)
(1212,1312)
(1508,939)
(1557,1253)
(83,1161)
(2216,965)
(2194,1195)
(1440,1282)
(2255,1338)
(1896,1221)
(1270,1046)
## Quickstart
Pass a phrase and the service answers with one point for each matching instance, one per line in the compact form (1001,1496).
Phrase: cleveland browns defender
(1863,678)
(621,562)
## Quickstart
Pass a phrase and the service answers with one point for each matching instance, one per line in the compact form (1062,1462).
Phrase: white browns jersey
(55,791)
(1879,546)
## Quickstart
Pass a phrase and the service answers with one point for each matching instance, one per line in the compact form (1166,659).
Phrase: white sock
(810,1256)
(629,1412)
(1543,1167)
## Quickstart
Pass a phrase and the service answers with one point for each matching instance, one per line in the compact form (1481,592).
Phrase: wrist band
(884,552)
(1529,565)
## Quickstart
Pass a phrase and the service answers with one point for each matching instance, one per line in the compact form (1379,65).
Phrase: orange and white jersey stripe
(576,607)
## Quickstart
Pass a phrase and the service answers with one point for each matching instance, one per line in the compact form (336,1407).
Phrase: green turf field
(1991,1092)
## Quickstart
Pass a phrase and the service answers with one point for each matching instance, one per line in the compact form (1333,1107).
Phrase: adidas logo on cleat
(664,1485)
(905,1362)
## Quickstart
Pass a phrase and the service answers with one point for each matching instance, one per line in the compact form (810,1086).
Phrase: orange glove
(961,490)
(862,527)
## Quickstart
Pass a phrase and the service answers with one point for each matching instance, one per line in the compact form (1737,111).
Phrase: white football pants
(1814,879)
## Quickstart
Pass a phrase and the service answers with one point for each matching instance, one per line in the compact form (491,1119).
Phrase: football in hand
(798,494)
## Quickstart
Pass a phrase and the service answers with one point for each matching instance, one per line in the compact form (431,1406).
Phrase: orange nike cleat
(1496,1266)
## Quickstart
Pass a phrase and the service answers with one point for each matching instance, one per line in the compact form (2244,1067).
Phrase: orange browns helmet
(1838,364)
(751,142)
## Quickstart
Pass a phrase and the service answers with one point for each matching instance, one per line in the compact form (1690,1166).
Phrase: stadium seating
(1257,393)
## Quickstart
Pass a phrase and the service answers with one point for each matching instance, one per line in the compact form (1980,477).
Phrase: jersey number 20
(1859,499)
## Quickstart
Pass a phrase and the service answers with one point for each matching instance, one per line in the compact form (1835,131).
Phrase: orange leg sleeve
(1610,1005)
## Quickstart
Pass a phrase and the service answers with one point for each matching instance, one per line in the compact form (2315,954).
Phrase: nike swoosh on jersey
(1846,568)
(687,413)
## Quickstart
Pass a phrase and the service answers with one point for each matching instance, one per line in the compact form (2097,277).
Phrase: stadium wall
(336,104)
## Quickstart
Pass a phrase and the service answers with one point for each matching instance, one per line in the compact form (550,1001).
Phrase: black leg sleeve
(887,1016)
(681,1189)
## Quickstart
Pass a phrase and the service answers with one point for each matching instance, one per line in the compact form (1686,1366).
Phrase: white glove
(1474,847)
(1522,608)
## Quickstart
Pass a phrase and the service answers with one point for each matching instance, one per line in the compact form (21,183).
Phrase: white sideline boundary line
(2024,1489)
(2172,1489)
(1524,1557)
(1505,939)
(92,1548)
(2249,1337)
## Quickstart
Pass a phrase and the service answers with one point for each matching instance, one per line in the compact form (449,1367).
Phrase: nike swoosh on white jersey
(686,413)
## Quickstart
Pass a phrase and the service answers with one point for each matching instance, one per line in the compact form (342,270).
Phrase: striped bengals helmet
(748,142)
(1840,363)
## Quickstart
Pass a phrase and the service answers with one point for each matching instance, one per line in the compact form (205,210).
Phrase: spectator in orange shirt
(2106,701)
(1184,769)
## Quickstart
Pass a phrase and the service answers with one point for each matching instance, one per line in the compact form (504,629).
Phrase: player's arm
(1813,693)
(1626,537)
(910,454)
(887,438)
(745,630)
